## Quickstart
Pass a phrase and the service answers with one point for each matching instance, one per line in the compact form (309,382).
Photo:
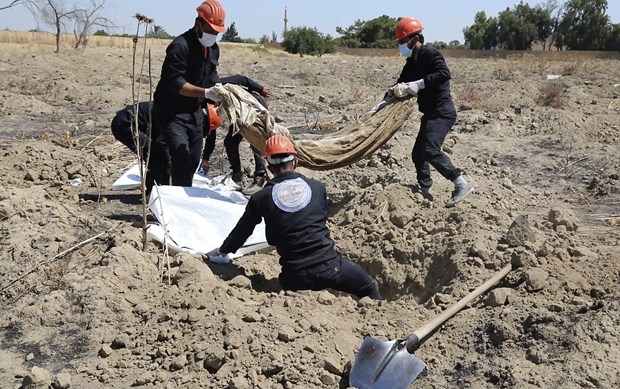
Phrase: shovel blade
(383,364)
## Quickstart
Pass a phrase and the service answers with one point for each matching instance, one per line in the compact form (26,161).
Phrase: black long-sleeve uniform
(301,238)
(431,66)
(435,102)
(296,226)
(178,117)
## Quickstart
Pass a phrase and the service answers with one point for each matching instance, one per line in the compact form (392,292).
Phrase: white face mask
(404,50)
(207,40)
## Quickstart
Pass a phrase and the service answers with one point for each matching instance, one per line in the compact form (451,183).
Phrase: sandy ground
(547,197)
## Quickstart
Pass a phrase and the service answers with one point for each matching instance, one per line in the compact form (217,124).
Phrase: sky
(443,20)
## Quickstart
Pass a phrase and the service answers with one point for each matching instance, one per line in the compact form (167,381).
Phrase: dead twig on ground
(56,257)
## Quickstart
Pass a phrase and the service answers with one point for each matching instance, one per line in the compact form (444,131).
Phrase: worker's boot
(426,193)
(237,177)
(462,189)
(257,184)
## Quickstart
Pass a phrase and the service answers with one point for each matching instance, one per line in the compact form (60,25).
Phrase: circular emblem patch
(291,195)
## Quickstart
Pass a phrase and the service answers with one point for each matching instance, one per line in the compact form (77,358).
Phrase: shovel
(383,364)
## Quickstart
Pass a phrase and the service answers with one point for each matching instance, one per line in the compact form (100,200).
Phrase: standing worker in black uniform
(231,142)
(295,211)
(426,75)
(188,73)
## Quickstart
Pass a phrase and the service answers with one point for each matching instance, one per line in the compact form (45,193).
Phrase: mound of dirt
(87,305)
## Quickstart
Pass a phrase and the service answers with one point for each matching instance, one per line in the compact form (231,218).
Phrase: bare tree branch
(12,4)
(52,13)
(87,18)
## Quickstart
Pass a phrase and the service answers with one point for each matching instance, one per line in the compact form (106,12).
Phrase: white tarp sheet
(130,180)
(197,220)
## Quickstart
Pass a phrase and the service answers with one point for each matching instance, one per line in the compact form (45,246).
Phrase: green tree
(584,25)
(231,34)
(516,30)
(274,37)
(482,34)
(158,32)
(306,40)
(349,36)
(544,22)
(101,33)
(264,39)
(375,33)
(613,40)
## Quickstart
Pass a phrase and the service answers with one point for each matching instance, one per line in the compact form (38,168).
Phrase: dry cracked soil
(85,306)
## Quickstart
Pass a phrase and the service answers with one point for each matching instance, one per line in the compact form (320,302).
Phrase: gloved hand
(216,256)
(377,107)
(403,89)
(212,95)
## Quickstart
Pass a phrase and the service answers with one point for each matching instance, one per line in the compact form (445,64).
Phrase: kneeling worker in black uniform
(295,211)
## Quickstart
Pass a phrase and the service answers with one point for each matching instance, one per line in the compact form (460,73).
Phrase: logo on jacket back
(291,195)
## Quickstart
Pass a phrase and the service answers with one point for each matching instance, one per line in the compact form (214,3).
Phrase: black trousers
(427,150)
(124,134)
(338,274)
(231,144)
(182,134)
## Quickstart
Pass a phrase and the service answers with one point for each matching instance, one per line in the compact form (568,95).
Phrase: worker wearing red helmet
(294,208)
(188,73)
(233,140)
(426,75)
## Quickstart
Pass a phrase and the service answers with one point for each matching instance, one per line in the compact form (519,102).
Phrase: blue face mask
(404,50)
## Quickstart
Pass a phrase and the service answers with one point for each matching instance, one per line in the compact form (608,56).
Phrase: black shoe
(426,193)
(237,177)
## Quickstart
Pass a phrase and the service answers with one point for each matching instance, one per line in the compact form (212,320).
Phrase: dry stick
(57,256)
(142,170)
(136,100)
(165,243)
(91,142)
(149,131)
(383,206)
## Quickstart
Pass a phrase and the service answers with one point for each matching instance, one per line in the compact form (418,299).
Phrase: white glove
(408,88)
(216,256)
(212,95)
(377,107)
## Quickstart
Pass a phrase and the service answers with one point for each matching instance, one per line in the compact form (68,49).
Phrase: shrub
(553,95)
(305,40)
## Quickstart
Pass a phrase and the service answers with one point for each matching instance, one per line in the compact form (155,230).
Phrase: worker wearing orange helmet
(294,208)
(232,140)
(188,73)
(426,75)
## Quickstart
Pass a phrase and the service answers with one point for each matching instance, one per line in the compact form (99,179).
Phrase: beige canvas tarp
(333,150)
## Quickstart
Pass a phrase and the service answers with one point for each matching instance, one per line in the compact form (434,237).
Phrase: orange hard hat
(212,12)
(215,121)
(278,144)
(407,26)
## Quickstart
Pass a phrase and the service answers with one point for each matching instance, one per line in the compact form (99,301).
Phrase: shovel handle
(453,309)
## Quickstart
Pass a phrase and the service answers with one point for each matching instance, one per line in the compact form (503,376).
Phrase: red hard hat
(212,12)
(215,121)
(278,144)
(407,26)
